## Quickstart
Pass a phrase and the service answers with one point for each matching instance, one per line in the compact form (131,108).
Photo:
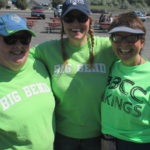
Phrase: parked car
(148,14)
(38,11)
(8,4)
(58,10)
(141,15)
(104,11)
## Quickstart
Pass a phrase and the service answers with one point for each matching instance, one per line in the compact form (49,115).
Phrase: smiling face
(15,55)
(76,31)
(129,53)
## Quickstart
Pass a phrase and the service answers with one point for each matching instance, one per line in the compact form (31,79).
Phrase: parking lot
(42,35)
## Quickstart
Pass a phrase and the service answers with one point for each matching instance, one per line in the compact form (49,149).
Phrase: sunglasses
(129,39)
(12,39)
(70,18)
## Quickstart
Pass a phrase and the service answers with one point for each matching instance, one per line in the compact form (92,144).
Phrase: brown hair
(128,19)
(91,37)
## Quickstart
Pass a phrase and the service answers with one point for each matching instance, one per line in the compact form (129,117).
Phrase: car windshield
(37,7)
(59,6)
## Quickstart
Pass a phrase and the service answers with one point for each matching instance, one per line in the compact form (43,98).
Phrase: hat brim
(125,29)
(8,34)
(76,8)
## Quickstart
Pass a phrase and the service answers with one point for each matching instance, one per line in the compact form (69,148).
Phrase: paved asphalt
(42,36)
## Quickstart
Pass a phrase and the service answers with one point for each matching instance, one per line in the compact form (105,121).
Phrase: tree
(121,3)
(143,3)
(103,2)
(125,4)
(56,2)
(2,3)
(21,4)
(116,3)
(147,2)
(109,2)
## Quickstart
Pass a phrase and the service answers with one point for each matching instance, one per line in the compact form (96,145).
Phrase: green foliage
(147,2)
(125,4)
(21,4)
(103,2)
(2,3)
(121,3)
(116,3)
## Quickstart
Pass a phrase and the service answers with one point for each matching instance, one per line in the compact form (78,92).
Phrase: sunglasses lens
(82,18)
(70,18)
(132,39)
(10,40)
(24,39)
(128,39)
(116,39)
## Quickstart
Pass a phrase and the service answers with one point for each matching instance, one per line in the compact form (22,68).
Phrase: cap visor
(75,8)
(10,33)
(125,29)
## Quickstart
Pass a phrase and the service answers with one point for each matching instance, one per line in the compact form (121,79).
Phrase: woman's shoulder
(50,43)
(105,38)
(102,43)
(102,40)
(45,48)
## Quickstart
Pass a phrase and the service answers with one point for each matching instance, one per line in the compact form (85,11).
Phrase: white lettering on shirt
(97,67)
(59,69)
(30,90)
(35,89)
(9,100)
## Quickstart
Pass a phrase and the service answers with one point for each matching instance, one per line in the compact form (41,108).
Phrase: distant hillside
(39,1)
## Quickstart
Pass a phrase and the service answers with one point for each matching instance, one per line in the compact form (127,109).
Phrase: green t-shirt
(126,103)
(78,87)
(26,108)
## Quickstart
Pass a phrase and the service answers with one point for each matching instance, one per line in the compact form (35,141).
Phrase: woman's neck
(77,42)
(139,61)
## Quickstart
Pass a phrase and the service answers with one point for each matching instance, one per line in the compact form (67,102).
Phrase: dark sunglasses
(69,18)
(129,39)
(12,39)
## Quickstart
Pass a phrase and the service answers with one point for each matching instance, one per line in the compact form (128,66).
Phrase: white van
(58,10)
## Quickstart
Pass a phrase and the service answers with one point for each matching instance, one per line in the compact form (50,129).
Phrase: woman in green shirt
(79,65)
(125,107)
